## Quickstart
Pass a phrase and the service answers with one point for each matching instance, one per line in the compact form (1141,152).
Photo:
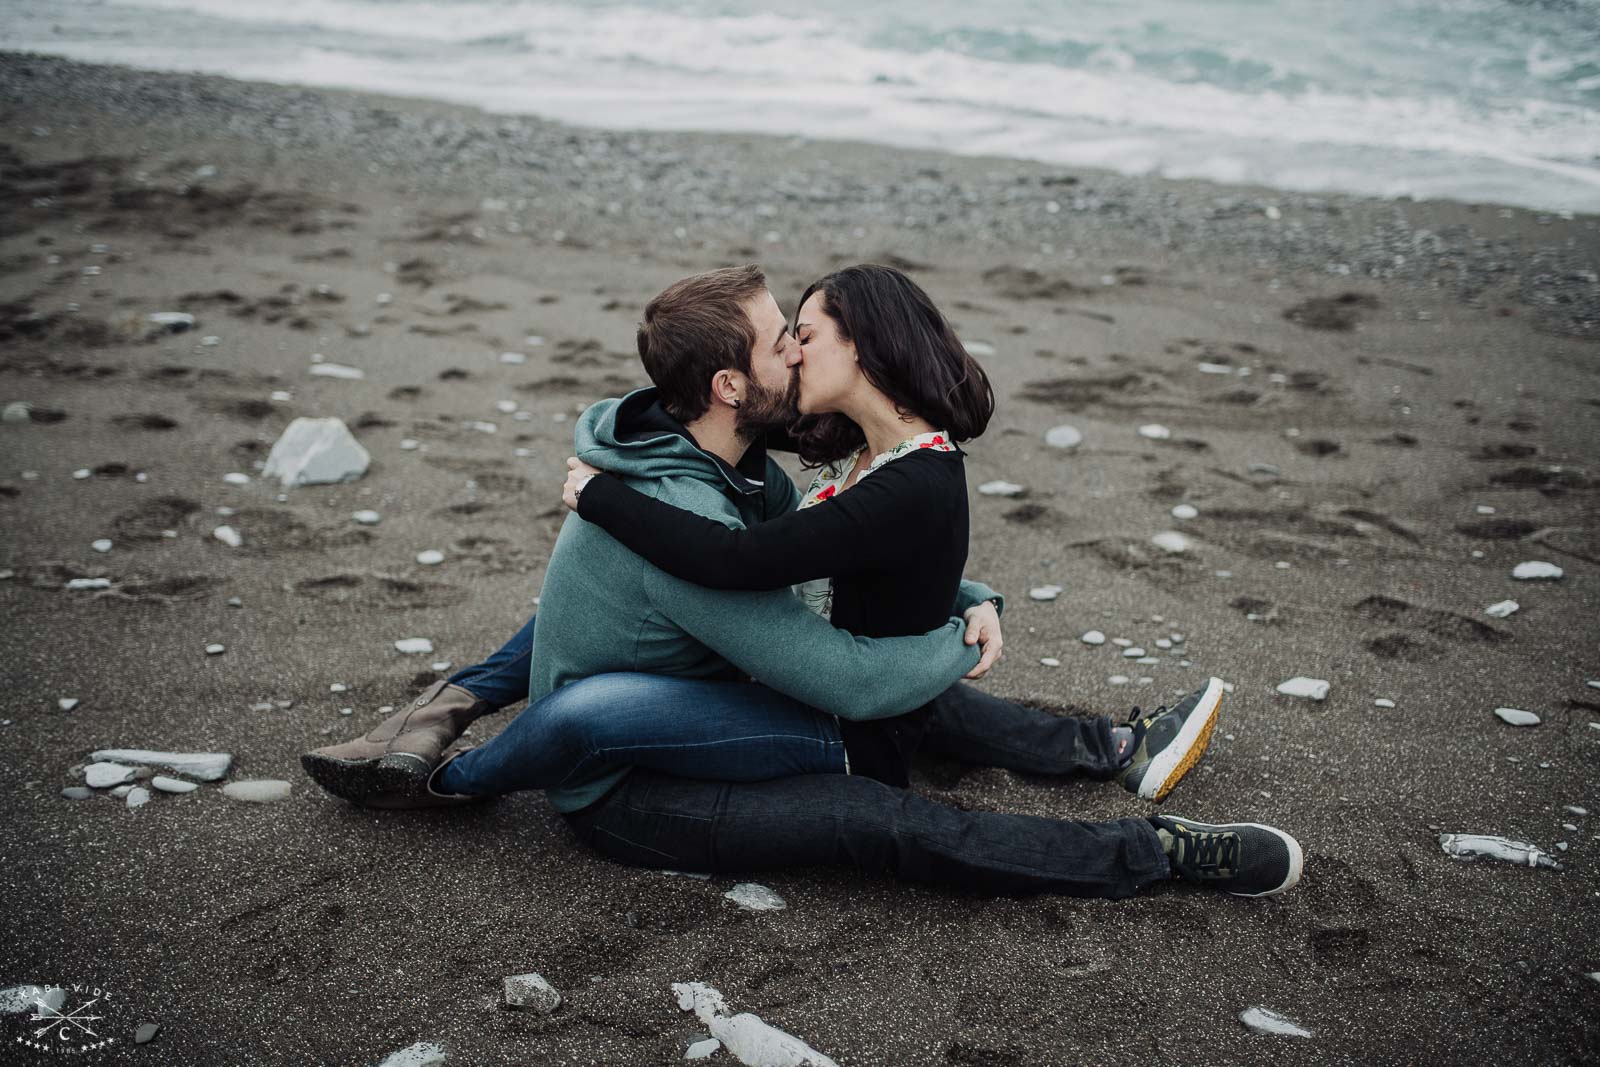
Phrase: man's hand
(579,472)
(983,628)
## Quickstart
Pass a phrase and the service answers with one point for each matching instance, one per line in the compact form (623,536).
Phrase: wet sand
(1376,374)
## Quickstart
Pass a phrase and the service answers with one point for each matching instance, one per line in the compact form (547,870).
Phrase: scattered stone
(1263,1021)
(1473,846)
(1517,717)
(1118,679)
(235,602)
(89,583)
(257,790)
(1122,642)
(1535,569)
(67,703)
(409,444)
(422,1054)
(18,999)
(103,774)
(702,1049)
(121,791)
(745,1036)
(1133,652)
(101,545)
(228,536)
(316,452)
(138,797)
(429,557)
(1573,809)
(1049,661)
(1383,702)
(206,766)
(753,896)
(1001,489)
(172,785)
(1063,437)
(1154,431)
(146,1033)
(171,321)
(366,518)
(215,650)
(1171,541)
(1185,511)
(1504,609)
(1309,688)
(1093,637)
(337,370)
(413,645)
(530,992)
(77,792)
(513,359)
(1044,592)
(442,665)
(17,411)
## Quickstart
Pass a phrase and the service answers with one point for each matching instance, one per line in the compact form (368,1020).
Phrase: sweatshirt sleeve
(863,529)
(970,594)
(781,643)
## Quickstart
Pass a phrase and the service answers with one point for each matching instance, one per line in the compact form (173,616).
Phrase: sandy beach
(1375,410)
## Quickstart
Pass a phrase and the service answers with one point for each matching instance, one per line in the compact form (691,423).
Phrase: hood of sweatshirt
(636,438)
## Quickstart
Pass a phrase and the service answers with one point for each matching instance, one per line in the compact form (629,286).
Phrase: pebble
(1517,717)
(752,896)
(215,650)
(1301,686)
(1171,541)
(172,785)
(236,478)
(366,518)
(747,1039)
(409,444)
(138,797)
(505,407)
(1484,509)
(1093,637)
(1121,642)
(1593,683)
(101,545)
(514,359)
(702,1049)
(530,992)
(1504,609)
(337,370)
(413,645)
(430,556)
(102,774)
(146,1033)
(1213,368)
(1154,431)
(121,791)
(1185,511)
(1535,569)
(1163,642)
(77,792)
(1044,592)
(1049,661)
(67,703)
(257,790)
(1001,489)
(1119,679)
(89,583)
(316,452)
(81,473)
(1383,702)
(228,536)
(423,1053)
(1263,1021)
(442,664)
(1133,652)
(1573,809)
(206,766)
(179,319)
(18,411)
(1063,437)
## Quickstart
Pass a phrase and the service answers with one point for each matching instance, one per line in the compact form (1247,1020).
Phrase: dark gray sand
(1407,365)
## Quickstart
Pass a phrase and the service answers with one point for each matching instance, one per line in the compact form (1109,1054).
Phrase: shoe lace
(1210,853)
(1138,716)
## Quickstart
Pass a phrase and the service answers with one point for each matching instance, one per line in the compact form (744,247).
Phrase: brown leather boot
(421,792)
(399,752)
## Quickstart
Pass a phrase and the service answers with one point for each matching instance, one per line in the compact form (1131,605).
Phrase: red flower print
(938,440)
(926,444)
(826,493)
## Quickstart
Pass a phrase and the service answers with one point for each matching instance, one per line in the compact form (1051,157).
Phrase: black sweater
(895,545)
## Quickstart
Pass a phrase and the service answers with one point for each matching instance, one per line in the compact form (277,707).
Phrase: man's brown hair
(694,328)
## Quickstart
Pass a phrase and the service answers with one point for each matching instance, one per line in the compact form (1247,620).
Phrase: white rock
(1504,609)
(121,791)
(81,473)
(211,340)
(67,703)
(1185,511)
(138,797)
(236,478)
(1122,642)
(428,557)
(1049,661)
(1063,437)
(702,1049)
(1517,717)
(1213,368)
(1001,489)
(337,370)
(228,536)
(409,444)
(1263,1021)
(483,427)
(441,665)
(1148,661)
(1118,679)
(366,518)
(413,645)
(103,774)
(1044,592)
(102,544)
(20,999)
(1133,652)
(206,766)
(172,785)
(338,687)
(1301,686)
(89,583)
(17,411)
(1484,509)
(1154,431)
(257,790)
(316,452)
(215,650)
(1383,702)
(530,992)
(1573,809)
(1171,541)
(1093,637)
(514,359)
(978,348)
(1535,569)
(173,320)
(505,407)
(752,896)
(1472,846)
(1163,642)
(423,1053)
(1593,683)
(746,1037)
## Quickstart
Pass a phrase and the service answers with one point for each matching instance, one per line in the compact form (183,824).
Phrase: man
(720,354)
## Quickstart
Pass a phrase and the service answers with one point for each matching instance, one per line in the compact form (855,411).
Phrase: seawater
(1476,100)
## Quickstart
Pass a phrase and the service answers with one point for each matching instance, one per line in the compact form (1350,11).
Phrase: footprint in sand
(1447,625)
(245,408)
(1498,529)
(406,392)
(1340,312)
(1320,448)
(1505,450)
(144,421)
(380,591)
(147,522)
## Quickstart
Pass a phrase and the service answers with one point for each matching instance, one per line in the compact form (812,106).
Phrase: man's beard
(765,408)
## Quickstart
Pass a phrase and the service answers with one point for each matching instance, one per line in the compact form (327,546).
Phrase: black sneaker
(1168,741)
(1242,858)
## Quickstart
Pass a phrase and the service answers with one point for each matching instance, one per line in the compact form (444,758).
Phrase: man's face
(774,361)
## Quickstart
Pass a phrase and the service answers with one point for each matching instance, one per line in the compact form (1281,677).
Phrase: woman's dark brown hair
(906,349)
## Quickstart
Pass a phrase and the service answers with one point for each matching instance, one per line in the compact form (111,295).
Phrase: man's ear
(726,386)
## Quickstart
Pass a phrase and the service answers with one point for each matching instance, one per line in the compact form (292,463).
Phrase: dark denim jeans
(733,776)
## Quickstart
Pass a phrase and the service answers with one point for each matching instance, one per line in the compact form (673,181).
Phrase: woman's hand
(983,628)
(578,473)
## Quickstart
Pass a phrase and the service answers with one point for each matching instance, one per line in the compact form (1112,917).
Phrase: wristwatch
(577,494)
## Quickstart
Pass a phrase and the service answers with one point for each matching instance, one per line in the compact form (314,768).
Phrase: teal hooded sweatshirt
(604,609)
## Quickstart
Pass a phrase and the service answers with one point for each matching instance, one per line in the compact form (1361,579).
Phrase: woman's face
(828,368)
